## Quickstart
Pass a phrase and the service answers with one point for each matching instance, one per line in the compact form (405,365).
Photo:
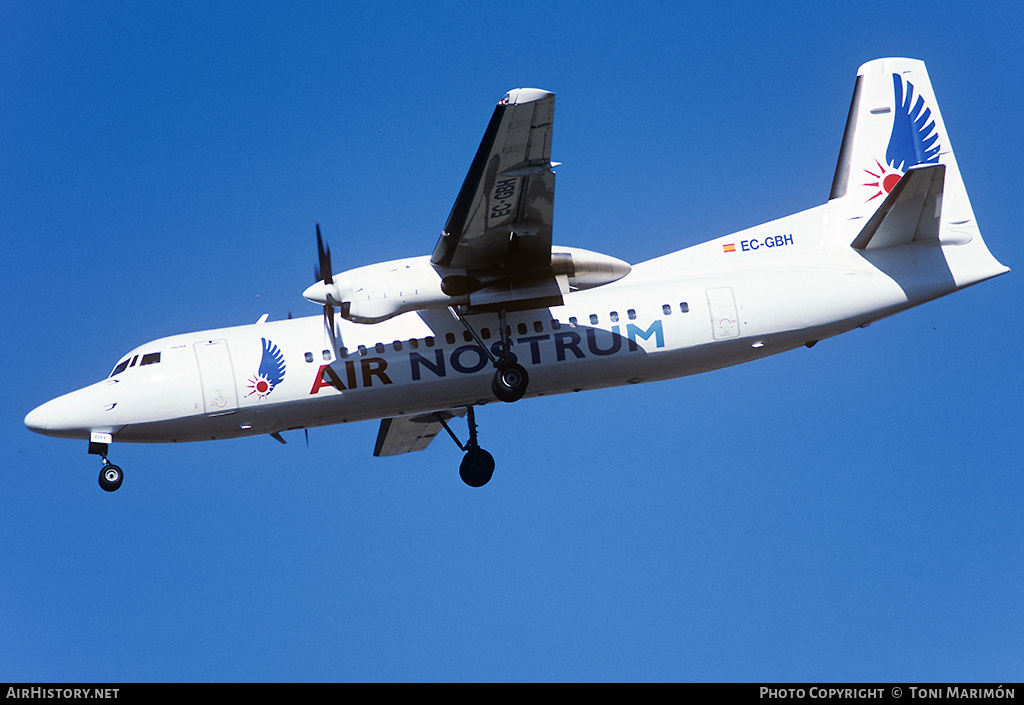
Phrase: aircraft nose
(74,415)
(38,419)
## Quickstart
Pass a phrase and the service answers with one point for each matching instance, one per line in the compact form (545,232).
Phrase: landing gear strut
(477,465)
(510,378)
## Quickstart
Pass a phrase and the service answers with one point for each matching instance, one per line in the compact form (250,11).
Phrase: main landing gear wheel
(510,382)
(510,379)
(477,467)
(111,477)
(477,464)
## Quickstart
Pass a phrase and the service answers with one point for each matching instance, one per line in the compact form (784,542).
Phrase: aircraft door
(217,377)
(725,322)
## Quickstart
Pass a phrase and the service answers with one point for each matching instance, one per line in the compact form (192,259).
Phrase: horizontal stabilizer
(405,434)
(910,212)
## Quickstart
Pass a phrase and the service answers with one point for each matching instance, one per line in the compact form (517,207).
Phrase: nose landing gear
(110,475)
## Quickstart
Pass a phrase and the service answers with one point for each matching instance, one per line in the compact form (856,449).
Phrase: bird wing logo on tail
(270,373)
(914,139)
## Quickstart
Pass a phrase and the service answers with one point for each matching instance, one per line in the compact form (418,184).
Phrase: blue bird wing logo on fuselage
(271,371)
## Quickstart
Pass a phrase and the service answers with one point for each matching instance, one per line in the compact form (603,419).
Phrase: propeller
(322,272)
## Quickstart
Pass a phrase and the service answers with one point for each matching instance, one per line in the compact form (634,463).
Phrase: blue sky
(846,513)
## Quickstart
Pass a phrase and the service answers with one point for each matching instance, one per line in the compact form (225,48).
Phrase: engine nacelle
(380,291)
(588,269)
(377,292)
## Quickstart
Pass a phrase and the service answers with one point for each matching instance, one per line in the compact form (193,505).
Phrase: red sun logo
(885,181)
(260,386)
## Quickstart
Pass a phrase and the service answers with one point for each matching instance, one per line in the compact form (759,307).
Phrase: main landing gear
(510,381)
(477,464)
(110,475)
(510,378)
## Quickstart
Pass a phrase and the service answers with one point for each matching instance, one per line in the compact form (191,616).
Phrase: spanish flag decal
(729,248)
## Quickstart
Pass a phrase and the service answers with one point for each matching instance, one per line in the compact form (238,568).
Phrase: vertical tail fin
(894,124)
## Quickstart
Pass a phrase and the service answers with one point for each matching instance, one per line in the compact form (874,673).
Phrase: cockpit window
(147,359)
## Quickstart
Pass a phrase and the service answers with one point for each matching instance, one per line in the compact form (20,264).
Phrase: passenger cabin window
(684,307)
(666,309)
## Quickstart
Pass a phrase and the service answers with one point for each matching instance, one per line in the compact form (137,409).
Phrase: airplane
(498,312)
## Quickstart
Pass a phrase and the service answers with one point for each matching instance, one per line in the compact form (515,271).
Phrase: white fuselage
(756,293)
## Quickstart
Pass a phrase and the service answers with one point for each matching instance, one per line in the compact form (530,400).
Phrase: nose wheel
(110,476)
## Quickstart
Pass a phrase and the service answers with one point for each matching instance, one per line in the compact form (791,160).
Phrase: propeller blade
(322,272)
(323,268)
(329,323)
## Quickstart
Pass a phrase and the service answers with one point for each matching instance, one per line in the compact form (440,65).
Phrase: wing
(502,216)
(405,434)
